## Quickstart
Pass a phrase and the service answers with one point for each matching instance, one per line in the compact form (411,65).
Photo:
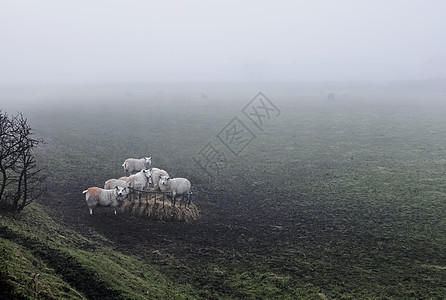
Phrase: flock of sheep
(139,176)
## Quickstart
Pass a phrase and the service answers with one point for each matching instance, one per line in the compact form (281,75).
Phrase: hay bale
(151,207)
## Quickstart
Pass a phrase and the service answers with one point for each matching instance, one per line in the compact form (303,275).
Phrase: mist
(96,42)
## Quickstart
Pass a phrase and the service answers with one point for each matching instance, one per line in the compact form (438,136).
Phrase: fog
(91,42)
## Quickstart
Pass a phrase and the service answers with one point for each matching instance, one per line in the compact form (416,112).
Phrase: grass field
(339,198)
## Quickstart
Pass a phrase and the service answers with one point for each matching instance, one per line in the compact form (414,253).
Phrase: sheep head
(121,192)
(164,180)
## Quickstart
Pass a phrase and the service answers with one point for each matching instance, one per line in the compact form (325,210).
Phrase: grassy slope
(71,266)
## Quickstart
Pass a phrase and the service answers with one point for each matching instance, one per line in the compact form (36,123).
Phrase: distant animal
(97,196)
(112,183)
(331,96)
(155,176)
(134,165)
(177,187)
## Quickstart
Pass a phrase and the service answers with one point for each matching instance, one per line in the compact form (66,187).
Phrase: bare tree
(8,150)
(22,180)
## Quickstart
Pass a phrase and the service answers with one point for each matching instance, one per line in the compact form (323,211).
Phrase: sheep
(96,195)
(155,176)
(138,181)
(112,183)
(176,186)
(133,165)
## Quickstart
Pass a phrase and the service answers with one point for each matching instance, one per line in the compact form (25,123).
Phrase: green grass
(18,268)
(141,281)
(33,243)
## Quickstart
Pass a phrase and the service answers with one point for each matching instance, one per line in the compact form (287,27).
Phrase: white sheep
(112,183)
(133,165)
(177,187)
(155,176)
(138,181)
(96,195)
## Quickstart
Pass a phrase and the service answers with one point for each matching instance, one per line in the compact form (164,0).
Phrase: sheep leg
(173,204)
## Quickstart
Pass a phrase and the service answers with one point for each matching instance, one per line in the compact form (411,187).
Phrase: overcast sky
(125,41)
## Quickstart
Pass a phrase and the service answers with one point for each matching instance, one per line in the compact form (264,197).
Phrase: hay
(147,207)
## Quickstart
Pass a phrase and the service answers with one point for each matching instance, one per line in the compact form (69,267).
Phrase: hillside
(70,266)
